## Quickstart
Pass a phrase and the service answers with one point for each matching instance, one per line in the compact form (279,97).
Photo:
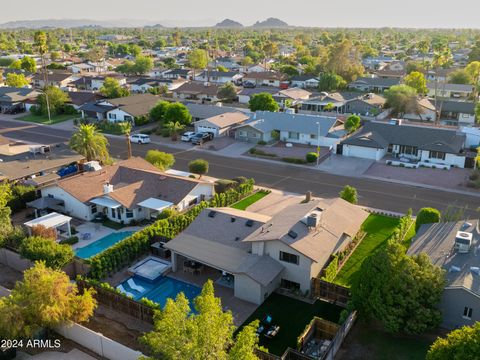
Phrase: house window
(242,133)
(129,214)
(93,209)
(408,150)
(313,136)
(112,116)
(290,258)
(437,155)
(192,202)
(293,135)
(467,312)
(291,285)
(390,148)
(128,118)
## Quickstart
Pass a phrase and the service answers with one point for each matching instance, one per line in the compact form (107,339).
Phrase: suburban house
(255,68)
(444,90)
(441,75)
(218,77)
(130,190)
(144,85)
(265,78)
(373,84)
(305,81)
(394,70)
(245,94)
(38,164)
(374,62)
(221,125)
(197,91)
(178,73)
(457,112)
(120,109)
(291,96)
(80,98)
(365,105)
(205,111)
(81,68)
(453,246)
(293,128)
(407,145)
(157,72)
(60,79)
(264,252)
(16,98)
(97,81)
(226,62)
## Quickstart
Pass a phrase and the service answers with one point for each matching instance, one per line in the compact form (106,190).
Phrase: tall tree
(263,102)
(5,211)
(177,112)
(197,59)
(198,166)
(417,81)
(349,193)
(55,102)
(112,89)
(400,291)
(29,64)
(44,299)
(16,80)
(401,99)
(174,128)
(344,60)
(40,43)
(161,160)
(352,123)
(330,81)
(227,92)
(90,143)
(245,343)
(473,69)
(461,344)
(158,111)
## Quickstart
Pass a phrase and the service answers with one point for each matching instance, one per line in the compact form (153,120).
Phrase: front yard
(249,200)
(379,228)
(43,119)
(292,316)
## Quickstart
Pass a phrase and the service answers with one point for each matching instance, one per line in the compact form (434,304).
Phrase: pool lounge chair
(134,286)
(122,290)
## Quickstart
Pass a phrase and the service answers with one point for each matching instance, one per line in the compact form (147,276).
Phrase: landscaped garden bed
(249,200)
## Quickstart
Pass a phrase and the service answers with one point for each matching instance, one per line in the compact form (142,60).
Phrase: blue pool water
(102,244)
(159,290)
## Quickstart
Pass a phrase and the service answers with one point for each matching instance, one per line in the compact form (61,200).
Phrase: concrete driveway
(343,165)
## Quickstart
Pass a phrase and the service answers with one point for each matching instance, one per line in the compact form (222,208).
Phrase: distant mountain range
(227,23)
(122,23)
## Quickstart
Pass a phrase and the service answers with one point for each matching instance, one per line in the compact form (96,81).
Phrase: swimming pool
(160,290)
(102,244)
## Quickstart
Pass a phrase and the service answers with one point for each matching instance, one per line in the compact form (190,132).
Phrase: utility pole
(318,143)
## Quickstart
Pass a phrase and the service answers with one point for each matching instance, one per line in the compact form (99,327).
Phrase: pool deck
(97,231)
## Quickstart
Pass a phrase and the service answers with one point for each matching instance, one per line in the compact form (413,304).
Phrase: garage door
(363,152)
(207,129)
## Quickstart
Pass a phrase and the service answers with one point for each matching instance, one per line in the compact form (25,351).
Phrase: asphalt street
(372,193)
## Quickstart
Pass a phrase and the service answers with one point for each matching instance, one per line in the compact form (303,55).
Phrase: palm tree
(127,129)
(441,58)
(174,129)
(89,142)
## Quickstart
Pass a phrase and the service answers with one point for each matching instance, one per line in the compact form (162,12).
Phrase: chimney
(308,196)
(107,188)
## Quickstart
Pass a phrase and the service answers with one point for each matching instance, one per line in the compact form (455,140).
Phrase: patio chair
(86,236)
(272,331)
(134,286)
(122,290)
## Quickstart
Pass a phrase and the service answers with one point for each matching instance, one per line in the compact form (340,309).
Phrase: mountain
(227,23)
(75,23)
(271,23)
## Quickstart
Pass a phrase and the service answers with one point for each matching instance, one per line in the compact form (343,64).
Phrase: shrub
(21,194)
(331,270)
(69,110)
(292,160)
(311,157)
(262,142)
(223,185)
(198,166)
(44,232)
(167,213)
(159,159)
(349,193)
(141,120)
(55,255)
(70,241)
(427,216)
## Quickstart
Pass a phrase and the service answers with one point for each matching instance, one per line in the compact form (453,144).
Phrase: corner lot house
(453,246)
(264,252)
(221,125)
(131,190)
(294,128)
(413,145)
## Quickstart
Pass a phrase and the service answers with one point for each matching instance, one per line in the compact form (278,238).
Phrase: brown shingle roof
(197,88)
(136,105)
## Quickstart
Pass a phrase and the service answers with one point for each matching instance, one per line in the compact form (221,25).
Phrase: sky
(318,13)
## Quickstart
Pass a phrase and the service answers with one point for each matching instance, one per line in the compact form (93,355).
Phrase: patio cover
(43,179)
(45,203)
(155,204)
(107,202)
(52,220)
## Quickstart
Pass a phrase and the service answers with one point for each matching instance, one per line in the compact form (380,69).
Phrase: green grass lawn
(249,200)
(364,342)
(44,119)
(378,228)
(292,316)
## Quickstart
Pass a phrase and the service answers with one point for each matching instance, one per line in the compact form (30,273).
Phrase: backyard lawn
(41,119)
(292,316)
(378,228)
(249,200)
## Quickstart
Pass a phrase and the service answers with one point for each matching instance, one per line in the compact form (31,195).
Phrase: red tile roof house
(130,190)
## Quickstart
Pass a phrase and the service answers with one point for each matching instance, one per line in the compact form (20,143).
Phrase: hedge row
(126,251)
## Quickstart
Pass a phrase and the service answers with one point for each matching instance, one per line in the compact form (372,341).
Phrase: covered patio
(42,205)
(60,222)
(155,207)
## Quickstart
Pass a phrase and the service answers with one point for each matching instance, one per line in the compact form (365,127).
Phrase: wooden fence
(120,303)
(320,329)
(330,292)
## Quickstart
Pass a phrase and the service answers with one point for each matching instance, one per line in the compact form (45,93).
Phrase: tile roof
(198,88)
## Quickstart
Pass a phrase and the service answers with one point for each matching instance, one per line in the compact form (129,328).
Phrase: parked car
(188,136)
(249,84)
(140,139)
(200,138)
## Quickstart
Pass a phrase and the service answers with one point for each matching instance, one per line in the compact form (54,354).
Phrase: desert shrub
(311,157)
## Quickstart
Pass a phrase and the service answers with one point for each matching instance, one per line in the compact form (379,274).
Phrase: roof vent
(212,214)
(237,238)
(249,223)
(232,219)
(292,234)
(313,220)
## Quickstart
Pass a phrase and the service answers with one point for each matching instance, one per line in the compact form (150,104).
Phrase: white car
(188,136)
(140,139)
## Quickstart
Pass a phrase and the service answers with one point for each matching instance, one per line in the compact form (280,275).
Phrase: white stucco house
(263,252)
(131,190)
(411,145)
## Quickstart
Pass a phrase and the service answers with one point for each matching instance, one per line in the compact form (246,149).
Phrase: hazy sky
(321,13)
